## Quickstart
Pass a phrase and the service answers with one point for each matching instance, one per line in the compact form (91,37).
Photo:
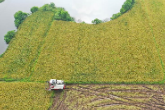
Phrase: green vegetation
(59,13)
(9,36)
(96,21)
(19,18)
(128,4)
(63,15)
(126,50)
(114,16)
(48,7)
(2,1)
(34,9)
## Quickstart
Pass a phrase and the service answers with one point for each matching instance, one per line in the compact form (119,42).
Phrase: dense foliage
(34,9)
(61,14)
(19,18)
(48,7)
(97,21)
(125,7)
(114,16)
(9,36)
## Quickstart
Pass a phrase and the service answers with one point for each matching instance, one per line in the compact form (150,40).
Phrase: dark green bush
(19,18)
(9,36)
(34,9)
(96,21)
(61,14)
(48,7)
(114,16)
(125,7)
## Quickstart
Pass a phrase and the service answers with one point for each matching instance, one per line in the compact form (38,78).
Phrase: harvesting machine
(55,84)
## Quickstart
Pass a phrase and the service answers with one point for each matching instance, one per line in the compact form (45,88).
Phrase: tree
(9,36)
(19,18)
(52,5)
(126,6)
(34,9)
(114,16)
(61,14)
(45,7)
(48,7)
(96,21)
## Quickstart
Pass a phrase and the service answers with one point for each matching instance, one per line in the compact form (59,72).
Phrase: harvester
(55,84)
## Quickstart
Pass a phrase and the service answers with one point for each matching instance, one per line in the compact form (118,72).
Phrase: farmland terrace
(127,50)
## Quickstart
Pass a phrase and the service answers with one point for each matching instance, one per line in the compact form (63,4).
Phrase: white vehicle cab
(55,84)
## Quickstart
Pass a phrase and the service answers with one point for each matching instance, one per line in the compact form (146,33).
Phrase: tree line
(60,14)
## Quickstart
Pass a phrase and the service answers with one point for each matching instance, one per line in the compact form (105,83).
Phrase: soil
(109,96)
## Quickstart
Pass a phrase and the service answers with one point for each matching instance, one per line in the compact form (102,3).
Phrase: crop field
(24,96)
(22,53)
(110,97)
(128,49)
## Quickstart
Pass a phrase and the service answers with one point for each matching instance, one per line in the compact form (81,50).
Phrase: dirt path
(107,97)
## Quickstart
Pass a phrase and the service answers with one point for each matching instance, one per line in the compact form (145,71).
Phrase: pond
(81,10)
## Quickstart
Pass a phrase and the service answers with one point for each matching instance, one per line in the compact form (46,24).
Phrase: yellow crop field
(23,96)
(20,57)
(128,49)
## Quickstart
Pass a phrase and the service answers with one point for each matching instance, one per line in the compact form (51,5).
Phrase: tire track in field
(89,97)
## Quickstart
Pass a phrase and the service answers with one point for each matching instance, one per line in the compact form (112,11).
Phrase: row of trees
(60,14)
(125,7)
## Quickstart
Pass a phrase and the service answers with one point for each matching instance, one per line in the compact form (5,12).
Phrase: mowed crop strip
(110,97)
(22,53)
(128,49)
(23,96)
